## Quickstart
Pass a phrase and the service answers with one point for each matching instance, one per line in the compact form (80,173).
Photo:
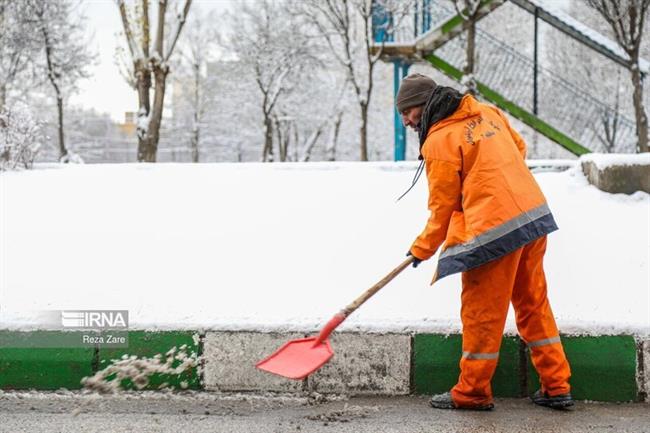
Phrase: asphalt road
(234,413)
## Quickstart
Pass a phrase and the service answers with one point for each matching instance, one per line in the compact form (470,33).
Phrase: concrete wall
(625,179)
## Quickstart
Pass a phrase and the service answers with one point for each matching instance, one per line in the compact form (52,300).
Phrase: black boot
(444,401)
(562,401)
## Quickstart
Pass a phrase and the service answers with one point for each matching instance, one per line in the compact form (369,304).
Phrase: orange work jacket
(483,199)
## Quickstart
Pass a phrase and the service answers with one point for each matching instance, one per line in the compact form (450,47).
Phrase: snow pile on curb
(140,370)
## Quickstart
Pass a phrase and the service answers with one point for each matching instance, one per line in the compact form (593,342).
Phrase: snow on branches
(20,137)
(150,62)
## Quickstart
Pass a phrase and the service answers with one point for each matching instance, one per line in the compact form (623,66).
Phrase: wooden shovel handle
(344,313)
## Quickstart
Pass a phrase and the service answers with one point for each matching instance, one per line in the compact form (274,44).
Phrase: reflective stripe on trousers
(476,355)
(544,342)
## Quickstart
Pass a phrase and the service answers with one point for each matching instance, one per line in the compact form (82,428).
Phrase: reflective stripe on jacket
(483,199)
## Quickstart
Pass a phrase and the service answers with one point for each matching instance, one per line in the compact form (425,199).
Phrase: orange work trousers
(487,293)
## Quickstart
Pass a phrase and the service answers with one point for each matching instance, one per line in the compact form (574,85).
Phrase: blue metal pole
(397,121)
(381,20)
(426,16)
(400,70)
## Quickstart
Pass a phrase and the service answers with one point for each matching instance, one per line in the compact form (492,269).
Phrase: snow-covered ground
(285,246)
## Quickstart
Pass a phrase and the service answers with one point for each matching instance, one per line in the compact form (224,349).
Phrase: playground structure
(505,77)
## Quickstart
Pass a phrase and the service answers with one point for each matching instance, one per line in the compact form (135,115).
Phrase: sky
(106,91)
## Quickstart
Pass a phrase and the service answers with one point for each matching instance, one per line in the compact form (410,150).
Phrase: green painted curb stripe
(436,365)
(24,367)
(145,344)
(603,368)
(512,108)
(435,362)
(50,368)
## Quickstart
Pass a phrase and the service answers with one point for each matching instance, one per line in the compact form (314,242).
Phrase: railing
(418,19)
(562,104)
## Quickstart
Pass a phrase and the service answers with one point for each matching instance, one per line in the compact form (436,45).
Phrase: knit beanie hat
(413,91)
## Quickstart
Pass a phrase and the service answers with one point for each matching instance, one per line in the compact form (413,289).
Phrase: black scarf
(441,104)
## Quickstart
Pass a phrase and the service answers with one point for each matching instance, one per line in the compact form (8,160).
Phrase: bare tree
(330,150)
(345,26)
(196,49)
(331,121)
(627,20)
(17,46)
(266,41)
(60,36)
(585,69)
(609,120)
(285,129)
(148,60)
(468,10)
(299,123)
(20,137)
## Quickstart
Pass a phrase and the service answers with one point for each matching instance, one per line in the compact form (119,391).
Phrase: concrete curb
(604,368)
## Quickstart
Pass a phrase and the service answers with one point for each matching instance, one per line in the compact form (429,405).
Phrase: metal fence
(561,103)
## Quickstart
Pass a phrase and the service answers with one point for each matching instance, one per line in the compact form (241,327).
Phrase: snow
(143,121)
(285,246)
(605,160)
(140,370)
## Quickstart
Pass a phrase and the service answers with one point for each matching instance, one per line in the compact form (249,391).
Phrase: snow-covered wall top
(285,246)
(604,160)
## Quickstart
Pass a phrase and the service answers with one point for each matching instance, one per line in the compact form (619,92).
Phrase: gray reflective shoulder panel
(517,238)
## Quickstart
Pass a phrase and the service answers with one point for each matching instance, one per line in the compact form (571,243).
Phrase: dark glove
(416,261)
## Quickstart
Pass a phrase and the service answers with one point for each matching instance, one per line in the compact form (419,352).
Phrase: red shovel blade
(297,359)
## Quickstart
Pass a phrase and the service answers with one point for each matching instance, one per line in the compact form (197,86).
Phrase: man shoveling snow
(493,218)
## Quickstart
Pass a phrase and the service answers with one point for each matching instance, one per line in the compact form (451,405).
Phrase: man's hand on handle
(416,261)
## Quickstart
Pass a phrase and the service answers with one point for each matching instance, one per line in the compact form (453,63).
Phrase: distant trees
(276,54)
(17,47)
(42,42)
(64,53)
(345,25)
(311,114)
(197,48)
(598,108)
(627,20)
(150,60)
(468,10)
(20,137)
(232,129)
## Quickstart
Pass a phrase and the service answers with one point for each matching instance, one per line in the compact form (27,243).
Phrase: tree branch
(181,21)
